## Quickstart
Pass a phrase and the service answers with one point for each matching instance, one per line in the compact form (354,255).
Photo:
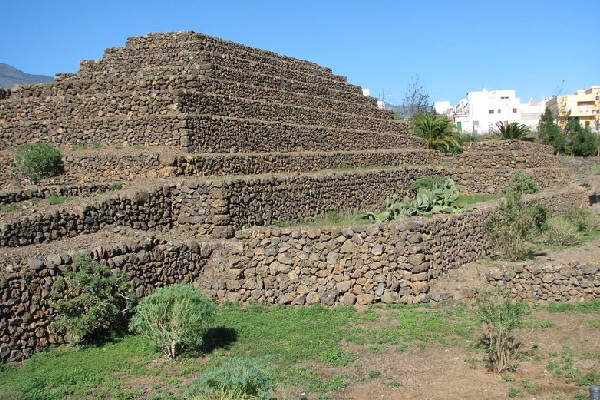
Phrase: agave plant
(438,130)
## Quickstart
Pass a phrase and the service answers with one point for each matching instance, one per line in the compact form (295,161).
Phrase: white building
(480,111)
(442,107)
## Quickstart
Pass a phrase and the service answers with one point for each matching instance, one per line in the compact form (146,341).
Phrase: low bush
(238,378)
(175,318)
(584,219)
(562,232)
(429,182)
(509,230)
(522,183)
(500,315)
(91,302)
(37,161)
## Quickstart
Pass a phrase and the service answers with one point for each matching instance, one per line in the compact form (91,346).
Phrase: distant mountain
(10,76)
(395,109)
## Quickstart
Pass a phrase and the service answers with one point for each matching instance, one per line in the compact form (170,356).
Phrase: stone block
(364,299)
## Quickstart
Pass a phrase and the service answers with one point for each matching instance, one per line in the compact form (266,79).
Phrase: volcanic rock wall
(390,263)
(199,93)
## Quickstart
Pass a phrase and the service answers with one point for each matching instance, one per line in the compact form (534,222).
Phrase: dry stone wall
(548,283)
(226,134)
(275,111)
(143,210)
(218,207)
(394,262)
(490,175)
(26,285)
(7,198)
(494,181)
(265,163)
(515,154)
(334,101)
(389,263)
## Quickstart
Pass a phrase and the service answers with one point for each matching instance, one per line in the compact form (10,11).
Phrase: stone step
(208,133)
(332,100)
(149,130)
(272,111)
(150,93)
(214,134)
(111,165)
(133,63)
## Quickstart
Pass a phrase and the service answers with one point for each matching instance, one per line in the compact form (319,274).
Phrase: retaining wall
(26,285)
(218,207)
(390,263)
(548,283)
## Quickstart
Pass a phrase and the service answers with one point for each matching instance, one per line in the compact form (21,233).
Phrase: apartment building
(480,111)
(584,105)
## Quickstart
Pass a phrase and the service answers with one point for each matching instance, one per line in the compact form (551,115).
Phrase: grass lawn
(293,337)
(300,342)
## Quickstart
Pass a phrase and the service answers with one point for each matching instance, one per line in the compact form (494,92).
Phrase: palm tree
(513,130)
(438,130)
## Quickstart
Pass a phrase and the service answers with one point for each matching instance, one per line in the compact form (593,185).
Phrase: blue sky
(537,47)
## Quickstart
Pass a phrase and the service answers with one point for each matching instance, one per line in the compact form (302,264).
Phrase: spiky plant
(438,130)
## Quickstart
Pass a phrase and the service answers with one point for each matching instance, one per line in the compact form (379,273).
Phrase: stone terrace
(185,151)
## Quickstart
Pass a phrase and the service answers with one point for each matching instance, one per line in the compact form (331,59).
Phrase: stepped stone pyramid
(196,149)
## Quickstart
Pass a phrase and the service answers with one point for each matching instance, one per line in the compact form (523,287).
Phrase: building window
(491,111)
(499,111)
(504,98)
(514,110)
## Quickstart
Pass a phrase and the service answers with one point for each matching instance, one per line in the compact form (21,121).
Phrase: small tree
(91,302)
(416,99)
(37,161)
(582,141)
(500,315)
(175,318)
(550,133)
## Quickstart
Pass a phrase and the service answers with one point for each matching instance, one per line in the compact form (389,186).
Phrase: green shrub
(54,199)
(538,215)
(584,219)
(562,232)
(238,378)
(37,161)
(175,318)
(500,316)
(523,184)
(509,230)
(429,182)
(91,302)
